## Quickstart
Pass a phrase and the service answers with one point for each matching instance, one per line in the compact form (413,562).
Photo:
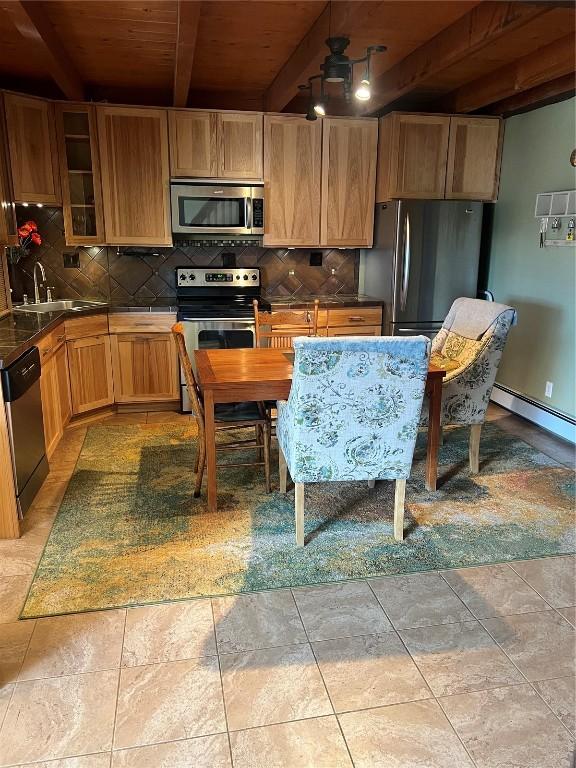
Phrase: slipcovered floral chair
(469,346)
(352,414)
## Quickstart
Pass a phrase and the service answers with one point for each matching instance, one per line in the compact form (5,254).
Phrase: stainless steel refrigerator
(425,255)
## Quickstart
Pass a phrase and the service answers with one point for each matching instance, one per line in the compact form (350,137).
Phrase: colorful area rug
(129,531)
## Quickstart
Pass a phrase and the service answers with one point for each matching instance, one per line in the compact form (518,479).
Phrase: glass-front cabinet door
(81,188)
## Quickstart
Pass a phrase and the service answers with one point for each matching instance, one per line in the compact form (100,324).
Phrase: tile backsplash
(104,273)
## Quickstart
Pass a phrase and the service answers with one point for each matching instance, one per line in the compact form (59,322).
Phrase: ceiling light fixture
(339,68)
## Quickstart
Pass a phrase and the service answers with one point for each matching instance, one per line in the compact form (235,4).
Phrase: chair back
(469,346)
(279,329)
(193,390)
(354,407)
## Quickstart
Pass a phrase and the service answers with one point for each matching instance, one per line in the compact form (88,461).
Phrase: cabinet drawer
(134,322)
(49,343)
(86,325)
(355,330)
(355,316)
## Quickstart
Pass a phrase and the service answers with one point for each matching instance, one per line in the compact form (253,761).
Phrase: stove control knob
(245,277)
(253,277)
(191,277)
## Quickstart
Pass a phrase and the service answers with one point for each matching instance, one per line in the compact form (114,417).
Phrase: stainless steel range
(215,308)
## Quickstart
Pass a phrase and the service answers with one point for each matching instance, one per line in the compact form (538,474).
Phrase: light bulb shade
(320,109)
(363,92)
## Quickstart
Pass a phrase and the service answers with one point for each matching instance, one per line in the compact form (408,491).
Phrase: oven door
(224,210)
(233,333)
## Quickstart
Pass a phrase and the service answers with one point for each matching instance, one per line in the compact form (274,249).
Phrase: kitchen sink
(64,305)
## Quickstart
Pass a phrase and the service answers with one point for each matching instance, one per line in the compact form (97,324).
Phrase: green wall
(540,283)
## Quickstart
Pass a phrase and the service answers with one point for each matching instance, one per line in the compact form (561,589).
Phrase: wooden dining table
(236,375)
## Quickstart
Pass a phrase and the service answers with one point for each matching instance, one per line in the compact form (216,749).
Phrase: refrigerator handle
(405,264)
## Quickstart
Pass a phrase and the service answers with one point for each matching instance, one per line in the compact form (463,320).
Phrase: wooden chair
(228,416)
(284,326)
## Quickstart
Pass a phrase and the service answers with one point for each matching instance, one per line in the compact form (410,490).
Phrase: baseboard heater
(559,423)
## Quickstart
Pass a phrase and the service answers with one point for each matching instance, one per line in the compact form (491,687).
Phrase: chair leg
(201,460)
(266,437)
(441,436)
(399,494)
(371,483)
(197,459)
(282,470)
(474,449)
(259,441)
(299,512)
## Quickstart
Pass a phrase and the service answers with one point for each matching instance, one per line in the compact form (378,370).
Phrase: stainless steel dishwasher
(21,390)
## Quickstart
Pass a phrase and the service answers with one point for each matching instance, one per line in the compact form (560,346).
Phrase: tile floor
(453,669)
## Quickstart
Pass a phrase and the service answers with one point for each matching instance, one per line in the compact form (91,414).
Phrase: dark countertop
(335,300)
(20,331)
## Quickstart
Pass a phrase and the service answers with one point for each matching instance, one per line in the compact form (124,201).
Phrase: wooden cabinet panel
(474,158)
(8,234)
(61,364)
(86,325)
(134,322)
(355,330)
(193,143)
(355,316)
(9,525)
(145,367)
(90,366)
(135,175)
(80,174)
(223,145)
(33,151)
(412,153)
(5,296)
(53,427)
(292,168)
(348,182)
(239,145)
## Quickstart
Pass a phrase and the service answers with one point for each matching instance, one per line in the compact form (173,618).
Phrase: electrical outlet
(549,388)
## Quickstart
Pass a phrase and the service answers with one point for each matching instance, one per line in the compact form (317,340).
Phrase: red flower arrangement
(28,233)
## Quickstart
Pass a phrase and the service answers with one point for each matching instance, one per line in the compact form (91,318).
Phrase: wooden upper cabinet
(412,153)
(348,182)
(33,151)
(193,143)
(292,168)
(8,235)
(135,175)
(240,145)
(474,158)
(80,174)
(215,145)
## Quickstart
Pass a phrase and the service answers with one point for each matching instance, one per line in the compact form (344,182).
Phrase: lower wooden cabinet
(145,367)
(54,389)
(90,367)
(53,427)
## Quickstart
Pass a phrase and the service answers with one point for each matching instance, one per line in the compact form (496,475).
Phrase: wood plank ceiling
(442,55)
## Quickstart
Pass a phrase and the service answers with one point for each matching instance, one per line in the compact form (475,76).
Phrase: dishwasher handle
(21,375)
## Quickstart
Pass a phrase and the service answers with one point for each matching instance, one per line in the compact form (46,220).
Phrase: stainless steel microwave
(219,209)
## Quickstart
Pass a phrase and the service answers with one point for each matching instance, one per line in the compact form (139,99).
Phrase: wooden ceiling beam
(188,21)
(481,26)
(547,63)
(311,51)
(31,21)
(547,93)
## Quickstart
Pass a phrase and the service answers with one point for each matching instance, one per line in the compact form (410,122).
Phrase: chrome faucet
(36,289)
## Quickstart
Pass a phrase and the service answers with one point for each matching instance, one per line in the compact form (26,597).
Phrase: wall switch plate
(549,388)
(71,259)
